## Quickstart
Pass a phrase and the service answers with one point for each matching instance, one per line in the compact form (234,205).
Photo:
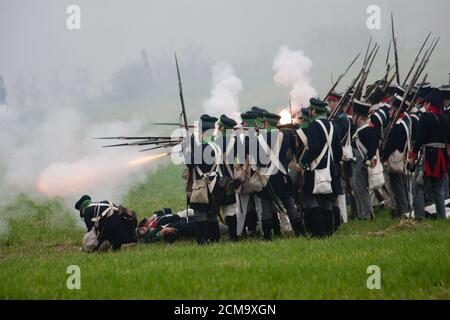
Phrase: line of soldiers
(305,173)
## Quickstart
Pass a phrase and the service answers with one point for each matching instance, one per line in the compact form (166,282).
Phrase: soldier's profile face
(332,103)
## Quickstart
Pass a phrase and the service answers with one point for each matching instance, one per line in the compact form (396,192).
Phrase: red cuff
(412,155)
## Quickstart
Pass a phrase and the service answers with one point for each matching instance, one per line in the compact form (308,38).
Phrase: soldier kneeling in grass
(109,226)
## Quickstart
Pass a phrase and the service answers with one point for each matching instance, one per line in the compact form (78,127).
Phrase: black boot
(328,219)
(251,222)
(298,227)
(337,218)
(267,229)
(213,231)
(231,222)
(201,232)
(307,220)
(317,222)
(276,224)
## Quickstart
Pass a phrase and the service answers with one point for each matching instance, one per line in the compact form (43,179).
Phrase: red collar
(434,109)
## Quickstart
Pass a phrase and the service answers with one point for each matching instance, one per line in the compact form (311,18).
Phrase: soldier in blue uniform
(342,125)
(433,135)
(319,216)
(445,90)
(365,145)
(163,225)
(248,204)
(225,193)
(399,141)
(204,176)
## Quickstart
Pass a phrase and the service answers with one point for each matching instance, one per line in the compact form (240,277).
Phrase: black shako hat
(426,88)
(228,123)
(435,98)
(273,117)
(259,111)
(398,99)
(445,90)
(375,95)
(318,105)
(207,122)
(249,115)
(395,89)
(83,202)
(361,108)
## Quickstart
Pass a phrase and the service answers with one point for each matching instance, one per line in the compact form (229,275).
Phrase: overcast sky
(246,33)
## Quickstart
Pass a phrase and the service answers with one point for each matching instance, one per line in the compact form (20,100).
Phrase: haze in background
(117,74)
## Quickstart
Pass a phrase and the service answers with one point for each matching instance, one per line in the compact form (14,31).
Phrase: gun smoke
(226,87)
(292,71)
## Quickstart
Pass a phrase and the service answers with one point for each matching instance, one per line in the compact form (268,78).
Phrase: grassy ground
(414,259)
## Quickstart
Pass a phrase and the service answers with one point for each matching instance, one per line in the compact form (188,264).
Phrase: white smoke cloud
(226,87)
(48,152)
(292,70)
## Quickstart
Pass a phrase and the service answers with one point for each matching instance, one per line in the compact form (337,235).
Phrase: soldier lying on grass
(164,225)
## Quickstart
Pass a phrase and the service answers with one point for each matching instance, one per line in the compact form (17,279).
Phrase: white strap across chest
(362,149)
(273,155)
(327,146)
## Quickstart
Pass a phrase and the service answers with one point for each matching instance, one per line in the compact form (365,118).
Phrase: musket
(180,89)
(159,147)
(170,124)
(400,109)
(345,98)
(132,138)
(388,53)
(433,46)
(416,59)
(276,200)
(388,65)
(341,76)
(388,83)
(394,41)
(419,70)
(367,51)
(358,92)
(418,90)
(290,110)
(381,86)
(142,143)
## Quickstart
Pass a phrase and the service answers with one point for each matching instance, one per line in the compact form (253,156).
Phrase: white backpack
(376,176)
(322,177)
(347,149)
(397,160)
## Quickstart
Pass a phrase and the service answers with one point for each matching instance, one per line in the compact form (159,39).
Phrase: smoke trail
(226,87)
(47,152)
(292,70)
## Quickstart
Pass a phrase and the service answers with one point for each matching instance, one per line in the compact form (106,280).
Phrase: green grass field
(414,259)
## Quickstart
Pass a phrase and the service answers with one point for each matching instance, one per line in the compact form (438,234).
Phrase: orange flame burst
(286,117)
(146,159)
(75,178)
